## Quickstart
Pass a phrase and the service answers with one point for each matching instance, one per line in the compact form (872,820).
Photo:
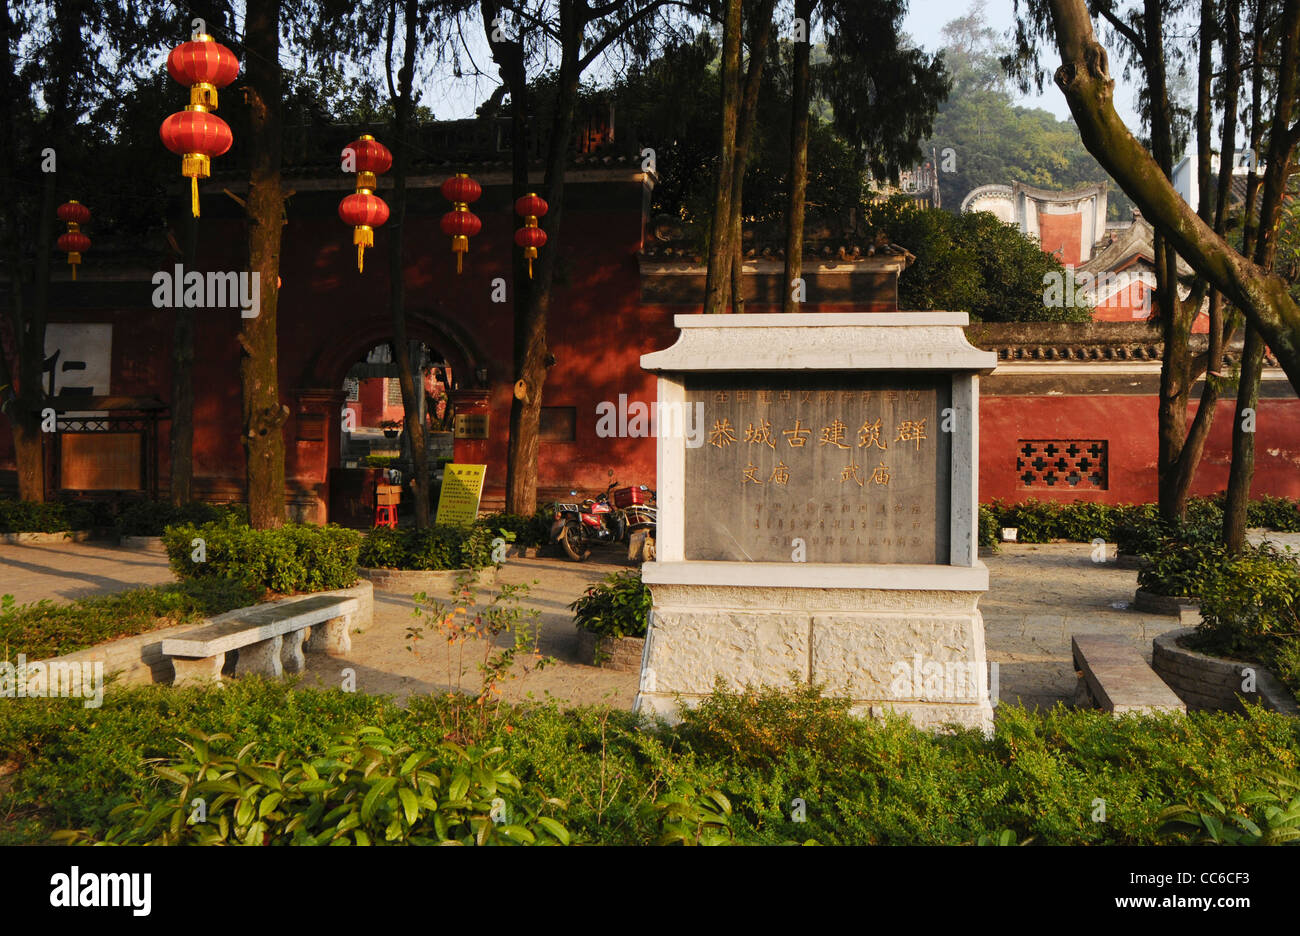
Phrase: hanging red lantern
(365,210)
(530,236)
(460,224)
(204,65)
(74,214)
(194,134)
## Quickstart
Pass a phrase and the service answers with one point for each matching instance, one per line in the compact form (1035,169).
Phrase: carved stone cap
(883,341)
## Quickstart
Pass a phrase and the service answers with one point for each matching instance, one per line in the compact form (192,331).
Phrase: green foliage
(528,531)
(379,461)
(989,532)
(364,790)
(152,518)
(435,549)
(51,517)
(971,263)
(44,629)
(617,606)
(1269,814)
(1182,565)
(294,558)
(690,817)
(1250,609)
(863,781)
(1135,528)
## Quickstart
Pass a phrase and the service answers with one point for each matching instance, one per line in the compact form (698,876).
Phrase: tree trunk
(403,106)
(1085,79)
(1280,151)
(717,282)
(182,408)
(745,122)
(531,351)
(1242,471)
(798,180)
(263,414)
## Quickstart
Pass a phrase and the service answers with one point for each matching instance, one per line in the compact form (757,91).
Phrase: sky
(925,21)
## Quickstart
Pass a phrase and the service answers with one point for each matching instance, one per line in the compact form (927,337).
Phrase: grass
(45,629)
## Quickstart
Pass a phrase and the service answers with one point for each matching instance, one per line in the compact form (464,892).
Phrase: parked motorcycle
(596,521)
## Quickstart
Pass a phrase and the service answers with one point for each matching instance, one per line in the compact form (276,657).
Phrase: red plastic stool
(386,515)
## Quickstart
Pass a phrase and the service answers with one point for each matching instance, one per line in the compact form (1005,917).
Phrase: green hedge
(52,517)
(294,558)
(152,518)
(436,549)
(618,606)
(1136,528)
(528,531)
(622,780)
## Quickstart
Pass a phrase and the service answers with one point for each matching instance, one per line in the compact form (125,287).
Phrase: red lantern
(460,224)
(367,157)
(74,214)
(204,65)
(194,134)
(364,212)
(530,236)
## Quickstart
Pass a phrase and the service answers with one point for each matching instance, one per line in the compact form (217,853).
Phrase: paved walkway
(1039,596)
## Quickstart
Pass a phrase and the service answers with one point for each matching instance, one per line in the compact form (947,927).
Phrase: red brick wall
(1057,230)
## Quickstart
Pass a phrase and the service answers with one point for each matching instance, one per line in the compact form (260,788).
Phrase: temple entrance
(375,445)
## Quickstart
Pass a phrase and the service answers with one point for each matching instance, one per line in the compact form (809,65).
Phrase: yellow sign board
(462,488)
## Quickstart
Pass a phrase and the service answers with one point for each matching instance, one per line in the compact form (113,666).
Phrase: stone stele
(818,513)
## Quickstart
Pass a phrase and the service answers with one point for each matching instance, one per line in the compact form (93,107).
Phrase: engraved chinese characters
(819,467)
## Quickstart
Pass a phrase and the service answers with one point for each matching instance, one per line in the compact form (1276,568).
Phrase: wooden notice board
(462,487)
(101,461)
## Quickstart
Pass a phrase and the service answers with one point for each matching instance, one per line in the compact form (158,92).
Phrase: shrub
(293,558)
(379,461)
(364,790)
(52,517)
(1183,563)
(45,629)
(435,549)
(863,781)
(1274,513)
(618,606)
(1250,608)
(528,531)
(152,518)
(989,532)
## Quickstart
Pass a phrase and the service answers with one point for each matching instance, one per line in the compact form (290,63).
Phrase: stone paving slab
(1040,597)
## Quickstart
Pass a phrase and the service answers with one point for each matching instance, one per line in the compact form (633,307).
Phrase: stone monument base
(916,650)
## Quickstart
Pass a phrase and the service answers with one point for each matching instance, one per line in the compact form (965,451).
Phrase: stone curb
(149,544)
(621,654)
(67,536)
(410,581)
(1214,683)
(1163,604)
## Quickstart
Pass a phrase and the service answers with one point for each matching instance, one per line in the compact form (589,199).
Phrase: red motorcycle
(595,521)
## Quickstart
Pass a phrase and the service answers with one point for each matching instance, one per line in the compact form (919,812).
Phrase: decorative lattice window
(1081,464)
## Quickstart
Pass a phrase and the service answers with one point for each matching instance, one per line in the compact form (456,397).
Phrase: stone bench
(269,638)
(1114,676)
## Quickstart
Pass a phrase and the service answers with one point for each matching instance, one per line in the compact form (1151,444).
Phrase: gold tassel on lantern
(195,166)
(363,237)
(460,244)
